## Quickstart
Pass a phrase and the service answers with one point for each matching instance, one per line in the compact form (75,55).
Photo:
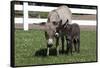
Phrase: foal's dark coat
(73,37)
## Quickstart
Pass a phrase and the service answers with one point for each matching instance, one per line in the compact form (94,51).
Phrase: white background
(5,39)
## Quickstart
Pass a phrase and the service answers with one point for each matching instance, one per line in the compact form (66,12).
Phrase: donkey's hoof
(47,54)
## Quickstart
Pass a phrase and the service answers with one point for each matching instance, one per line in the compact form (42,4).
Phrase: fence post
(25,14)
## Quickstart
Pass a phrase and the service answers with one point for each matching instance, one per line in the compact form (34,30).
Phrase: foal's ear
(66,24)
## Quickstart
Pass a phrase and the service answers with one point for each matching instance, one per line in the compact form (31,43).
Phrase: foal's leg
(67,47)
(71,47)
(75,44)
(78,49)
(62,40)
(57,45)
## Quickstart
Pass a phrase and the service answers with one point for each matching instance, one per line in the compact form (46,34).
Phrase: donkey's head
(54,18)
(50,34)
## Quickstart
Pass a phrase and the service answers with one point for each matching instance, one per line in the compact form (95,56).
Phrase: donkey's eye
(54,23)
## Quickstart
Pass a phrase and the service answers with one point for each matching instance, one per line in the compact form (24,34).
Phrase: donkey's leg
(47,51)
(57,45)
(57,50)
(62,40)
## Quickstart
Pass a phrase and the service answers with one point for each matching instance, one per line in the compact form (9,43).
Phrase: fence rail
(26,20)
(36,20)
(48,9)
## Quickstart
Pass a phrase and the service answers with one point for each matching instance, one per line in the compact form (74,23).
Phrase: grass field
(30,48)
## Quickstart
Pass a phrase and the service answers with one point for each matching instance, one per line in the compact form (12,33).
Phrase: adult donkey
(60,17)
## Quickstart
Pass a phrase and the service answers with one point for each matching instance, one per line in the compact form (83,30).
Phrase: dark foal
(73,37)
(62,33)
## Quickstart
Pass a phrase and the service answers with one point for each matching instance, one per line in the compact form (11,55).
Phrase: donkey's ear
(48,20)
(66,22)
(42,23)
(60,22)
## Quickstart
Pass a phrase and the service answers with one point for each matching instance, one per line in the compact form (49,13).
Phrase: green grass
(30,45)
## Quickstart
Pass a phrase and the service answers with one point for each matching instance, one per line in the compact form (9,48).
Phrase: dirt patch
(42,27)
(84,17)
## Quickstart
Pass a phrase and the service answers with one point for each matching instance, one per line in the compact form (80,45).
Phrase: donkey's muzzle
(50,43)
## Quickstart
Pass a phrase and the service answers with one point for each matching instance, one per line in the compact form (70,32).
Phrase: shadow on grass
(43,52)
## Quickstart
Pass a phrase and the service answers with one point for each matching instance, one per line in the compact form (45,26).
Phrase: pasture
(30,49)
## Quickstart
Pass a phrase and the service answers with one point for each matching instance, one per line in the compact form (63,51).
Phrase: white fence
(25,8)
